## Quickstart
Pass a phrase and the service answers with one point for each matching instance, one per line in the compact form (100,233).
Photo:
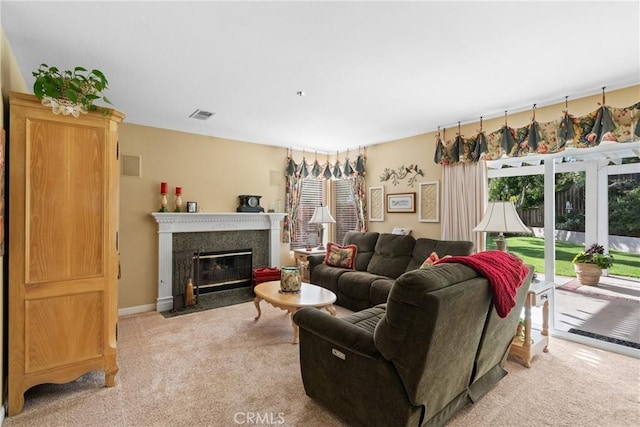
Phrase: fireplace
(211,271)
(181,236)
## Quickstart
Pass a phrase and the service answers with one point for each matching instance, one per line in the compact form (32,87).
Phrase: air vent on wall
(201,115)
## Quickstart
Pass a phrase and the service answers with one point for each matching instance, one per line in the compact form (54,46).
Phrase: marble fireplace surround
(170,223)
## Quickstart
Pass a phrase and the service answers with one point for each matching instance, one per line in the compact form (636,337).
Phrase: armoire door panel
(66,199)
(63,330)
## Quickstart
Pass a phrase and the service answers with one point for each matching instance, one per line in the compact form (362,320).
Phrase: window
(311,196)
(345,211)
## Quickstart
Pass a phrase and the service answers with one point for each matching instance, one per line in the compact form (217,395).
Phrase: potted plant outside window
(589,263)
(70,91)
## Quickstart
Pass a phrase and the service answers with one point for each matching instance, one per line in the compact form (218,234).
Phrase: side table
(535,341)
(301,260)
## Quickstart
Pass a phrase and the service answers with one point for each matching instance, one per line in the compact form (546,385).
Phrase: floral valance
(316,170)
(605,124)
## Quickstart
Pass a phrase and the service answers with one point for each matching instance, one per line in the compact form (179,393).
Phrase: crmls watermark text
(266,418)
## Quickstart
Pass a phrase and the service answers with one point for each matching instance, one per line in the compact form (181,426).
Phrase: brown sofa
(381,258)
(437,345)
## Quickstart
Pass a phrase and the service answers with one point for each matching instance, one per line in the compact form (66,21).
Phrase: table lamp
(321,216)
(501,217)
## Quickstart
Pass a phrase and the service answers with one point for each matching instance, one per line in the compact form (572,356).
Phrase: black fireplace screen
(222,270)
(212,271)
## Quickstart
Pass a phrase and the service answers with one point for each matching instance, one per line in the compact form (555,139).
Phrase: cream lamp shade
(501,217)
(321,216)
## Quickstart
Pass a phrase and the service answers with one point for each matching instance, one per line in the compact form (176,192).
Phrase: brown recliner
(412,361)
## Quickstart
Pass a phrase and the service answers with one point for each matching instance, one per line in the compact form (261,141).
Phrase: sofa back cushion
(431,330)
(424,247)
(391,255)
(366,243)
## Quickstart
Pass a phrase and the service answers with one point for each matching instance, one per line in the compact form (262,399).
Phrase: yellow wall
(404,152)
(211,171)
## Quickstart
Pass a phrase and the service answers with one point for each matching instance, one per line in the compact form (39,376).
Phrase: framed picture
(376,203)
(192,207)
(429,203)
(401,202)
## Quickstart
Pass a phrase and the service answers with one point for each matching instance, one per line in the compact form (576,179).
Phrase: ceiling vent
(201,115)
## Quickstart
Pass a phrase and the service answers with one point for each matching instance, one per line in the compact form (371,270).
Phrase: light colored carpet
(220,368)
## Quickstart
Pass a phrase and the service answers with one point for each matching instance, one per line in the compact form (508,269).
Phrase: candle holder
(178,202)
(163,203)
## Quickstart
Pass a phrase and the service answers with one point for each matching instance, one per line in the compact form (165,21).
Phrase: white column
(165,271)
(602,234)
(274,241)
(591,203)
(549,221)
(550,232)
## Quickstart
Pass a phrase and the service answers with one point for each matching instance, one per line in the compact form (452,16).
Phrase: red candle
(178,191)
(163,188)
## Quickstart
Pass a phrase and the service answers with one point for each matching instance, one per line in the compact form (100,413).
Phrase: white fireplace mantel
(169,223)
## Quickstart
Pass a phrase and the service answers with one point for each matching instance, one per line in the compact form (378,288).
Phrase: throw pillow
(431,259)
(341,256)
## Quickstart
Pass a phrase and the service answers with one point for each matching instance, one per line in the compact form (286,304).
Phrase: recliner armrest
(337,331)
(314,260)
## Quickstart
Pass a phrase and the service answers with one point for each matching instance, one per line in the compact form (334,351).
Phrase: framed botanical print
(429,202)
(401,202)
(376,203)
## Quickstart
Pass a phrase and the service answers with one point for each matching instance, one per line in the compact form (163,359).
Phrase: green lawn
(531,250)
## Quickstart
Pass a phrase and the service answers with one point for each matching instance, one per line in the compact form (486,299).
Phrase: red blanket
(505,273)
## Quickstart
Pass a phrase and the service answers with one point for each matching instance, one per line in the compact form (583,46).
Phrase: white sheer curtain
(464,189)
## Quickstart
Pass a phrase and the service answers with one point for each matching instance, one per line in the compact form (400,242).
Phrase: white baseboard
(136,309)
(2,412)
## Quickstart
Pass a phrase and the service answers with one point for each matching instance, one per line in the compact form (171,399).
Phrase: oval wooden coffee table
(309,296)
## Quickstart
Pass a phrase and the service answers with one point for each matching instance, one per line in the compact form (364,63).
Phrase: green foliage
(528,192)
(624,205)
(594,254)
(566,180)
(531,251)
(524,191)
(573,221)
(78,86)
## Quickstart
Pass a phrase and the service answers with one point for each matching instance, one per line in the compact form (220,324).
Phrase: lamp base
(501,243)
(321,235)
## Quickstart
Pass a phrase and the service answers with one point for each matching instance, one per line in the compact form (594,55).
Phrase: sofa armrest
(337,331)
(314,260)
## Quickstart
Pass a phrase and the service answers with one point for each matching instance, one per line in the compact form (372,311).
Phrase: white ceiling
(371,71)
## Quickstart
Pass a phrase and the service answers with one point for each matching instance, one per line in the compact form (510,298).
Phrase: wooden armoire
(63,246)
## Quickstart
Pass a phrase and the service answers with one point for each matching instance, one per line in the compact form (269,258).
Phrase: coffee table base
(292,310)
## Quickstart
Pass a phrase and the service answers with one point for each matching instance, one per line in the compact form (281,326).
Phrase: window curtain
(463,202)
(292,200)
(606,124)
(296,172)
(359,191)
(464,175)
